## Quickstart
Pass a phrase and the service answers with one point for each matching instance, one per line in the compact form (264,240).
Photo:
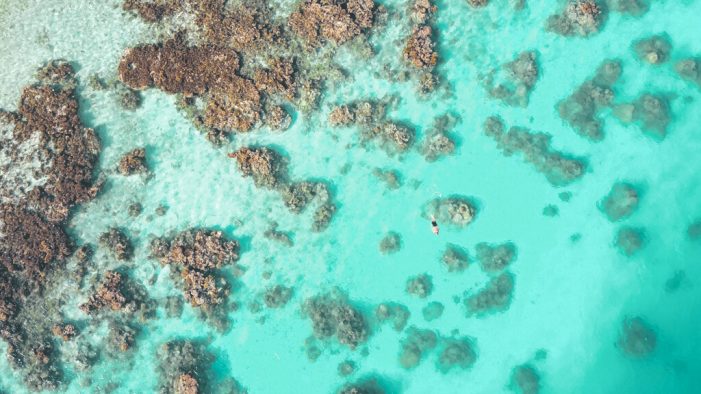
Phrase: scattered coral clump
(558,168)
(455,258)
(420,286)
(337,21)
(581,109)
(629,240)
(415,346)
(397,314)
(578,18)
(456,353)
(514,81)
(620,202)
(637,338)
(133,162)
(332,315)
(525,379)
(118,243)
(495,258)
(494,297)
(390,243)
(690,69)
(420,50)
(438,141)
(651,112)
(457,211)
(653,50)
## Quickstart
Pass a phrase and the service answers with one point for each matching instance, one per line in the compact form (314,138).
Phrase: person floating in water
(434,225)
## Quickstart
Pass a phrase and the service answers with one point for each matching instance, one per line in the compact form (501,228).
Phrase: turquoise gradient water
(570,297)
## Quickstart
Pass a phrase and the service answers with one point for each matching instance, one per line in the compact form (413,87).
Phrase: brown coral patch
(337,21)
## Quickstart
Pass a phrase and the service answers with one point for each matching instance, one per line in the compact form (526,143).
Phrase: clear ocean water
(570,296)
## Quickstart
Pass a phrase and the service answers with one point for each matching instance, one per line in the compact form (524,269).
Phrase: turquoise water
(570,296)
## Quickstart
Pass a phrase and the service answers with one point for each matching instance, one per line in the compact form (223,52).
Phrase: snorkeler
(434,225)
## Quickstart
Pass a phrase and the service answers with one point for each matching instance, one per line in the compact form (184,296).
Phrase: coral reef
(637,338)
(551,210)
(264,165)
(277,296)
(365,386)
(456,353)
(578,18)
(390,243)
(420,286)
(689,69)
(632,7)
(391,178)
(337,21)
(432,311)
(513,82)
(414,347)
(184,365)
(133,162)
(558,168)
(457,211)
(478,3)
(276,235)
(420,50)
(346,368)
(694,230)
(651,112)
(48,158)
(397,314)
(455,258)
(525,379)
(332,315)
(620,202)
(135,209)
(195,257)
(118,243)
(581,109)
(494,297)
(495,258)
(654,49)
(629,240)
(438,142)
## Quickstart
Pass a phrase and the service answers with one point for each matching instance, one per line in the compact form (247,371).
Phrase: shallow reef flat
(228,196)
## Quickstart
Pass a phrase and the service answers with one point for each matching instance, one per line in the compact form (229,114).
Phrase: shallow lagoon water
(570,297)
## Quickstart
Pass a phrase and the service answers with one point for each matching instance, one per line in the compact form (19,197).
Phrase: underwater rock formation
(457,211)
(133,162)
(525,379)
(456,353)
(395,313)
(455,258)
(654,49)
(578,18)
(420,286)
(513,82)
(637,338)
(581,109)
(629,240)
(390,243)
(332,315)
(415,346)
(559,169)
(494,297)
(651,112)
(118,243)
(620,202)
(495,258)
